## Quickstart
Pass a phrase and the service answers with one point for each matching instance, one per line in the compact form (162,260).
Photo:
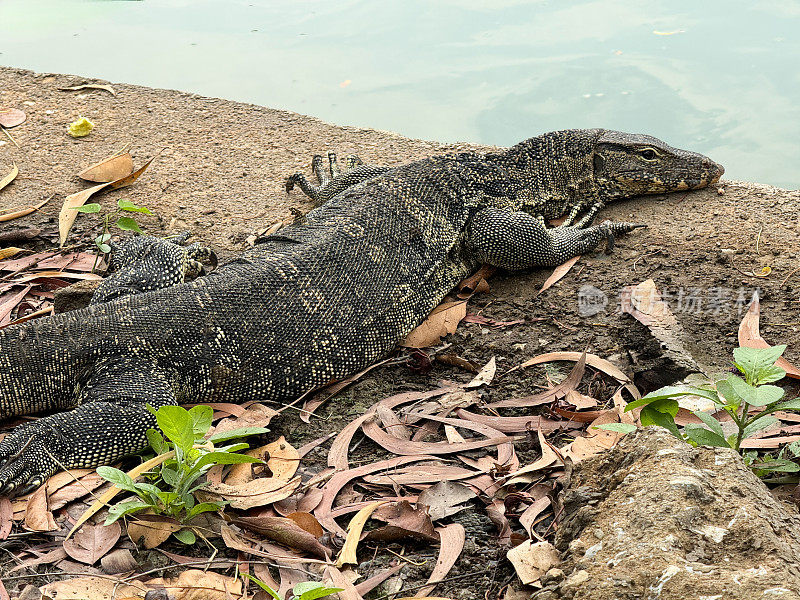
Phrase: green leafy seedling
(734,394)
(171,486)
(125,222)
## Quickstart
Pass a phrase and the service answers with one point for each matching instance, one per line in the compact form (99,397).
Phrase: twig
(793,271)
(9,136)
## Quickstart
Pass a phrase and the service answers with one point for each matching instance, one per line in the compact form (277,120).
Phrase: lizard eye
(648,154)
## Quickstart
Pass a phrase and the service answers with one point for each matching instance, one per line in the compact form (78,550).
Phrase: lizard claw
(26,460)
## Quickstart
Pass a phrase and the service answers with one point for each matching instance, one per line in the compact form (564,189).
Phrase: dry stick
(9,136)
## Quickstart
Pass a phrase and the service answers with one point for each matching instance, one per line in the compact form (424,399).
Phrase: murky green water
(717,76)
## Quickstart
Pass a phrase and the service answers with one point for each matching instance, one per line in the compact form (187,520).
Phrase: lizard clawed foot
(27,458)
(612,230)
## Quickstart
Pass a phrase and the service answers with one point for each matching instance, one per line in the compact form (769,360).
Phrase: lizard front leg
(516,240)
(111,422)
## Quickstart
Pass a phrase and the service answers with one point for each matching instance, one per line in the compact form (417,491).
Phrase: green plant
(124,222)
(735,395)
(305,590)
(172,484)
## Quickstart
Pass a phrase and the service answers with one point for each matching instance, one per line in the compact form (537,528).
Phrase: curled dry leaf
(37,512)
(516,424)
(484,376)
(6,517)
(442,321)
(11,117)
(24,211)
(91,542)
(109,169)
(281,459)
(255,415)
(10,177)
(118,561)
(337,456)
(528,473)
(558,273)
(335,578)
(392,423)
(366,586)
(342,478)
(750,337)
(445,498)
(529,515)
(412,448)
(287,532)
(596,440)
(67,215)
(532,560)
(402,522)
(570,383)
(92,588)
(452,539)
(347,555)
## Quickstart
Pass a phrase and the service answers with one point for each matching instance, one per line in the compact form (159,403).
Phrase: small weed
(172,484)
(123,222)
(736,396)
(305,590)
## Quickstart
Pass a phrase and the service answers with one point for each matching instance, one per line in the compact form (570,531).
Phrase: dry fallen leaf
(527,474)
(445,498)
(579,400)
(287,532)
(442,321)
(452,538)
(37,512)
(67,215)
(484,376)
(6,517)
(750,337)
(91,542)
(10,177)
(347,555)
(195,584)
(258,492)
(255,415)
(109,169)
(532,560)
(92,588)
(402,522)
(89,86)
(11,117)
(281,458)
(150,531)
(528,516)
(558,273)
(24,211)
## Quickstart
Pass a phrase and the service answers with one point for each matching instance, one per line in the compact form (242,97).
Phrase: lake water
(716,76)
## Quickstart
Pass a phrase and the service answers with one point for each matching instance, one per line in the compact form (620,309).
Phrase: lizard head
(628,164)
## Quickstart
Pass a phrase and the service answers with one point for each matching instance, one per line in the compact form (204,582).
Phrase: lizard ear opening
(599,163)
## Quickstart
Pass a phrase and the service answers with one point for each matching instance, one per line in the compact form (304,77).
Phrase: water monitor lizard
(315,302)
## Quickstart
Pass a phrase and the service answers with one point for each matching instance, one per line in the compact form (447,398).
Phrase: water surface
(718,77)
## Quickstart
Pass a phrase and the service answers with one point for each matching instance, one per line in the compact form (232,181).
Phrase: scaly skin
(316,301)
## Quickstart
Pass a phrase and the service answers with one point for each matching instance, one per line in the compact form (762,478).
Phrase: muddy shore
(220,171)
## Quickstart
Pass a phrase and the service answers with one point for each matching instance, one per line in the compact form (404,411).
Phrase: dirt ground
(220,172)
